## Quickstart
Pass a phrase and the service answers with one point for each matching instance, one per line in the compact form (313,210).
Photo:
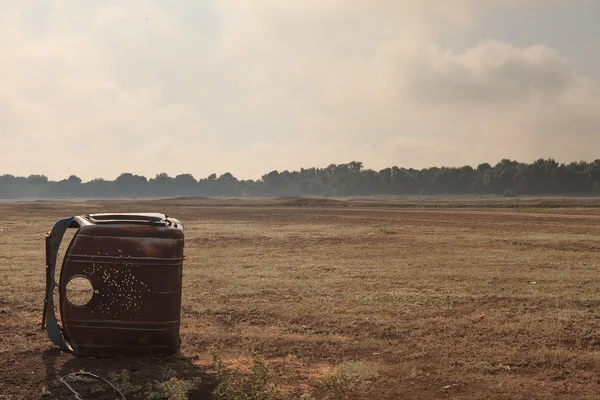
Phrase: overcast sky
(96,88)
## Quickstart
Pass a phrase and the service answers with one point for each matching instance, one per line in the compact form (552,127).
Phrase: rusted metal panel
(134,265)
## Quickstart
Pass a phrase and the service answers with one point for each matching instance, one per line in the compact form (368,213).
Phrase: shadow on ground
(137,378)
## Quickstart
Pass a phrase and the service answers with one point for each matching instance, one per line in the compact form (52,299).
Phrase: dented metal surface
(134,264)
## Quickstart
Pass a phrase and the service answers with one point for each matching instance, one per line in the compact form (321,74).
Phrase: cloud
(101,88)
(491,72)
(68,105)
(385,83)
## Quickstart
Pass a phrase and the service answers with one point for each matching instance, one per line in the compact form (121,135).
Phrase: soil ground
(444,300)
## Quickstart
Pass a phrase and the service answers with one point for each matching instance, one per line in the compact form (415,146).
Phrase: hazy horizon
(246,86)
(494,163)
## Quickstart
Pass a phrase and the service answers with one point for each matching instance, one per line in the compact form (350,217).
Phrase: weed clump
(123,381)
(173,389)
(348,378)
(237,385)
(168,387)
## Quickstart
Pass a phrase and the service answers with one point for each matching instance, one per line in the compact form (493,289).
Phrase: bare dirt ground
(363,300)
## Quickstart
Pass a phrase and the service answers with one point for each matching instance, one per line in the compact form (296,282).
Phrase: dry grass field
(348,300)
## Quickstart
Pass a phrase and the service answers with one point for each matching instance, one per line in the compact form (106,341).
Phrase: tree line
(508,178)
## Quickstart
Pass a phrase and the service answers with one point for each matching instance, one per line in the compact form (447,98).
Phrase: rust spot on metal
(134,265)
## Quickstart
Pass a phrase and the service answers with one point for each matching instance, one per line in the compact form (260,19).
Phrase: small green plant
(236,385)
(172,389)
(336,387)
(349,377)
(166,373)
(122,380)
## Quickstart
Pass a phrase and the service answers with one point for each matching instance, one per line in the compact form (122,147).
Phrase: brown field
(356,300)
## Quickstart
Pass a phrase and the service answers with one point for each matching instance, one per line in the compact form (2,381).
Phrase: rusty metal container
(131,269)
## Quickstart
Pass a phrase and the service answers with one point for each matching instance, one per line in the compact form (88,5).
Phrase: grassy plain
(356,299)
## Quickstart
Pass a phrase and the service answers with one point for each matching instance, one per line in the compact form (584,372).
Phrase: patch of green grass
(122,380)
(173,389)
(168,387)
(237,385)
(348,378)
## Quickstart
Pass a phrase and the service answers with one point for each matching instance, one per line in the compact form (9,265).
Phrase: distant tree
(594,171)
(74,180)
(186,180)
(37,179)
(273,183)
(186,184)
(130,184)
(97,188)
(355,166)
(227,185)
(508,177)
(386,176)
(227,177)
(162,179)
(161,185)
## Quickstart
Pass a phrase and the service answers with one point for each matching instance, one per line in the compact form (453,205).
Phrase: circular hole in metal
(79,291)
